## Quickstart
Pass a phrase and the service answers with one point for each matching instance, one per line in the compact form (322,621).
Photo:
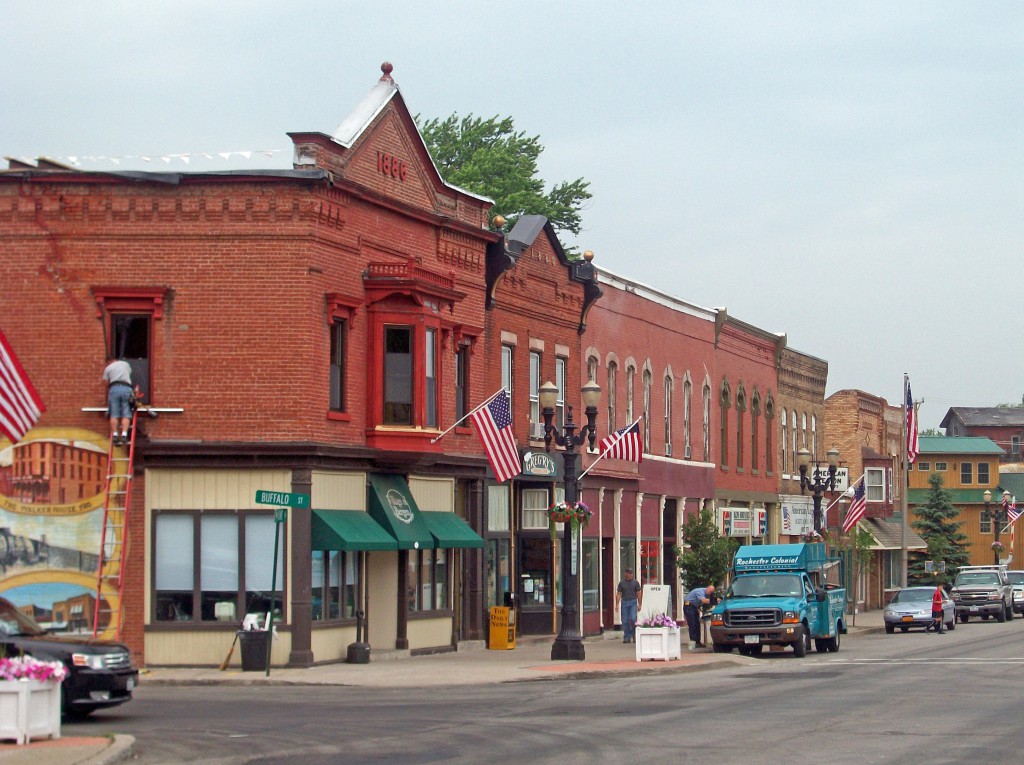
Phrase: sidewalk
(471,665)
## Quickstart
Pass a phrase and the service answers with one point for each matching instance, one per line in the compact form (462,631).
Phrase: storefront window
(218,566)
(535,571)
(591,576)
(334,584)
(174,567)
(649,560)
(427,580)
(497,571)
(627,555)
(535,508)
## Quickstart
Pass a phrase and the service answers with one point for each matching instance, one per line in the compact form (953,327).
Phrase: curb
(121,748)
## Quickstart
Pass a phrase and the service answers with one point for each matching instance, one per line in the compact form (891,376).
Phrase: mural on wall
(52,488)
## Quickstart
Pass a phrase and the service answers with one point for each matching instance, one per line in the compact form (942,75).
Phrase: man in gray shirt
(627,598)
(118,377)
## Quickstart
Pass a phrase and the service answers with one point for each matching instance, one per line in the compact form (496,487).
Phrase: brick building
(1003,425)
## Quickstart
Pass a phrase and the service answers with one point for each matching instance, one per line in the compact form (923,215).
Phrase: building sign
(736,522)
(399,506)
(821,472)
(392,166)
(797,515)
(539,464)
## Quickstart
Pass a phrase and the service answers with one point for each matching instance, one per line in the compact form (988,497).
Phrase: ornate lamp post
(998,519)
(569,643)
(818,484)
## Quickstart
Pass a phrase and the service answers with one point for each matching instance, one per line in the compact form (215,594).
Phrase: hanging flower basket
(997,546)
(578,514)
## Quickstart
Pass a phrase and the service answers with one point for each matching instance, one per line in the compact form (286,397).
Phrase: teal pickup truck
(781,595)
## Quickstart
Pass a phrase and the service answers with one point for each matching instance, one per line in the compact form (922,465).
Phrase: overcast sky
(849,174)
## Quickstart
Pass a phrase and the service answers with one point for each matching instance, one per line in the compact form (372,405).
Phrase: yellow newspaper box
(503,629)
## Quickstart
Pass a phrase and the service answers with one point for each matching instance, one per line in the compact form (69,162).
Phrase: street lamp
(997,520)
(817,484)
(569,643)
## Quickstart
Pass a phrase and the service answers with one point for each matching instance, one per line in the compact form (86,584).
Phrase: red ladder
(114,539)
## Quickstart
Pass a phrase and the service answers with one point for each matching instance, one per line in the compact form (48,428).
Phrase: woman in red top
(937,614)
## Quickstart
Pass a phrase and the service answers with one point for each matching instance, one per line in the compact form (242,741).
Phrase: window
(707,422)
(926,466)
(630,376)
(334,585)
(498,508)
(129,313)
(874,484)
(560,384)
(339,333)
(627,556)
(1015,445)
(892,569)
(430,369)
(941,467)
(592,368)
(966,473)
(215,564)
(724,402)
(461,382)
(649,560)
(536,422)
(535,508)
(803,434)
(769,415)
(985,522)
(668,415)
(647,411)
(795,443)
(755,414)
(612,369)
(785,444)
(687,416)
(398,376)
(982,473)
(814,435)
(591,575)
(741,407)
(507,375)
(427,580)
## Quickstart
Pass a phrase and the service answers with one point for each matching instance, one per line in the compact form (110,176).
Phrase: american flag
(20,405)
(1012,513)
(624,444)
(787,524)
(912,443)
(493,423)
(857,508)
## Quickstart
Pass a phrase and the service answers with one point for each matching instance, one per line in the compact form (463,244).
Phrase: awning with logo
(348,530)
(392,506)
(449,530)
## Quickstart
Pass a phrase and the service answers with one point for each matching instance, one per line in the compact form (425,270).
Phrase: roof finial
(386,68)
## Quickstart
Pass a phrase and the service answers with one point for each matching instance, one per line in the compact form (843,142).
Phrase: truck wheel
(1001,616)
(820,645)
(801,644)
(833,643)
(1009,613)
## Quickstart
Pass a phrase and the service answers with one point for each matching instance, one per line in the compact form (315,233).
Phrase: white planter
(658,643)
(29,709)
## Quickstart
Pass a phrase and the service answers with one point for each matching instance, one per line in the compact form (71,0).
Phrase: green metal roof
(348,530)
(957,445)
(449,530)
(1013,483)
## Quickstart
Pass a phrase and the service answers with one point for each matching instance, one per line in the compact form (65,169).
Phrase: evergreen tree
(708,555)
(936,524)
(490,157)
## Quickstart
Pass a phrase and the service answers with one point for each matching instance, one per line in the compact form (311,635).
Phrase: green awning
(449,530)
(348,530)
(392,506)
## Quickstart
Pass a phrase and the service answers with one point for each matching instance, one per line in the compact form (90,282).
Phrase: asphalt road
(911,697)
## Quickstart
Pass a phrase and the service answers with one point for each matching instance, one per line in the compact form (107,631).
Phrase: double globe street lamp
(998,519)
(569,643)
(818,482)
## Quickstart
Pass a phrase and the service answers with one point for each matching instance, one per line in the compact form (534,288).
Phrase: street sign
(281,515)
(281,499)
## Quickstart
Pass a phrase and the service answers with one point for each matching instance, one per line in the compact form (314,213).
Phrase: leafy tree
(707,558)
(936,525)
(930,432)
(490,157)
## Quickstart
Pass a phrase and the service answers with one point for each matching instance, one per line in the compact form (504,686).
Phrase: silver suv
(1017,582)
(983,591)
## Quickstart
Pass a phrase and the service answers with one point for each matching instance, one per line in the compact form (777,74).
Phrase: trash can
(254,650)
(502,636)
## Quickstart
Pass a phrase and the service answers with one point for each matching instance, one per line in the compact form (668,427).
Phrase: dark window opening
(398,376)
(129,340)
(338,353)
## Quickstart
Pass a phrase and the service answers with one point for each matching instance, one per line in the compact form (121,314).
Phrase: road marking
(931,660)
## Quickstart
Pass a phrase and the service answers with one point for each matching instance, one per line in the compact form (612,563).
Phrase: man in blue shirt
(698,596)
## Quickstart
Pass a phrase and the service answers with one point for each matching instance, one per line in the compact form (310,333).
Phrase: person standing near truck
(698,597)
(937,614)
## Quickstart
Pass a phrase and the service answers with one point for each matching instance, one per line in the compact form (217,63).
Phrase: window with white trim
(874,485)
(535,509)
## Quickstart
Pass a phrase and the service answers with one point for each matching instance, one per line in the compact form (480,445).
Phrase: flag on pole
(1012,513)
(494,425)
(624,444)
(20,405)
(912,443)
(857,507)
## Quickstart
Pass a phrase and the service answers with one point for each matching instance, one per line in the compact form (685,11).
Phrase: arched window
(769,417)
(814,435)
(647,411)
(724,403)
(613,368)
(687,393)
(668,415)
(755,414)
(796,439)
(741,409)
(784,443)
(630,377)
(707,420)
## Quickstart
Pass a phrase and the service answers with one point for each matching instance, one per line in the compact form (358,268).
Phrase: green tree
(936,524)
(490,157)
(707,556)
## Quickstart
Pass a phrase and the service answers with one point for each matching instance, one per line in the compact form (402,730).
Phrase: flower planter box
(29,709)
(657,643)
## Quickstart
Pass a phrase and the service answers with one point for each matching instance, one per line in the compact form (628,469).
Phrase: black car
(100,673)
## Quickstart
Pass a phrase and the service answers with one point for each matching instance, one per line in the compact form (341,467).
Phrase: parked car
(100,673)
(983,591)
(912,607)
(1017,582)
